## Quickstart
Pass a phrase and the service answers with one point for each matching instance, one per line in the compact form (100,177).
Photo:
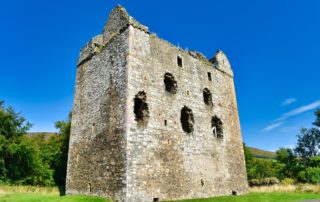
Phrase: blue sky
(273,47)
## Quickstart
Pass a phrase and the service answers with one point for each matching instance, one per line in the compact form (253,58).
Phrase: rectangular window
(209,76)
(179,61)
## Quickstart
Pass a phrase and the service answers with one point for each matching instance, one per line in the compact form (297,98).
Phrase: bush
(310,175)
(264,181)
(287,181)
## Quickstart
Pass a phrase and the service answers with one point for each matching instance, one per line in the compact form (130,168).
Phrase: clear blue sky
(273,47)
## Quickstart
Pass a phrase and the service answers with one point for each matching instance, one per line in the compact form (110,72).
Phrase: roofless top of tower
(119,20)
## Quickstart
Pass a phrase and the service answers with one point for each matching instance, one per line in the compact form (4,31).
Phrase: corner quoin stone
(132,139)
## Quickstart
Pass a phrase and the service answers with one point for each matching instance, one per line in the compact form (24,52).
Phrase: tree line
(298,165)
(42,160)
(28,160)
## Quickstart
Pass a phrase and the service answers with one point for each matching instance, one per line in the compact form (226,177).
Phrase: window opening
(187,120)
(217,127)
(170,83)
(141,109)
(207,97)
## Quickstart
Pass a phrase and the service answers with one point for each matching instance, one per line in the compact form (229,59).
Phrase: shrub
(264,181)
(310,175)
(287,181)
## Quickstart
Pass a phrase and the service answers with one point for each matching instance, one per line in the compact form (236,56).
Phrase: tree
(61,159)
(291,165)
(308,143)
(20,160)
(317,122)
(247,155)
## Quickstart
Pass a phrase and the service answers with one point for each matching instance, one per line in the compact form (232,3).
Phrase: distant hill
(46,135)
(259,153)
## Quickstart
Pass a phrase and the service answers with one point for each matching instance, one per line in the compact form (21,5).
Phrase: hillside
(259,153)
(46,135)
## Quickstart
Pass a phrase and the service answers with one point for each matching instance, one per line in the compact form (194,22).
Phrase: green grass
(251,197)
(261,197)
(43,197)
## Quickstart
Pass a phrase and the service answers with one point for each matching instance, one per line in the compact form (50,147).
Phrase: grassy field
(33,197)
(261,197)
(34,194)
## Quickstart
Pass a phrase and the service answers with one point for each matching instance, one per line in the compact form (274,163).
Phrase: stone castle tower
(151,121)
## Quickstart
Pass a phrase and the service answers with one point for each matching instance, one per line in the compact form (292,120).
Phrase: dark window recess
(202,182)
(187,120)
(179,61)
(155,199)
(141,109)
(165,122)
(207,97)
(234,193)
(217,127)
(209,76)
(170,83)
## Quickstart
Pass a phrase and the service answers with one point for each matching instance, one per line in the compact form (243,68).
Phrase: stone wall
(164,161)
(97,163)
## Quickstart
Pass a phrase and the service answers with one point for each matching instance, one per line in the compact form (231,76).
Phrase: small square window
(209,76)
(179,61)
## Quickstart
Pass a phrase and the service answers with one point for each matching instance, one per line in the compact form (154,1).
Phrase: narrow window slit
(179,61)
(209,76)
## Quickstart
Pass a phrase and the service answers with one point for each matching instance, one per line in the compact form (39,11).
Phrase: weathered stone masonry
(151,121)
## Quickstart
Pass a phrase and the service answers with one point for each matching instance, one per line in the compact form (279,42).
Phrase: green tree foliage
(60,164)
(317,121)
(20,160)
(314,161)
(291,165)
(258,169)
(54,150)
(310,175)
(308,143)
(248,156)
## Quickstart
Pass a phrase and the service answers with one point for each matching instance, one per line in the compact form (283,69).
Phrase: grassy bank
(264,194)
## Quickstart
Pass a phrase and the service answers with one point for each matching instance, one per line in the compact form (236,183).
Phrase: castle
(151,121)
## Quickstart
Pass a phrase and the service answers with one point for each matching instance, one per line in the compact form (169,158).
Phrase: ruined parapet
(91,48)
(152,121)
(221,62)
(118,21)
